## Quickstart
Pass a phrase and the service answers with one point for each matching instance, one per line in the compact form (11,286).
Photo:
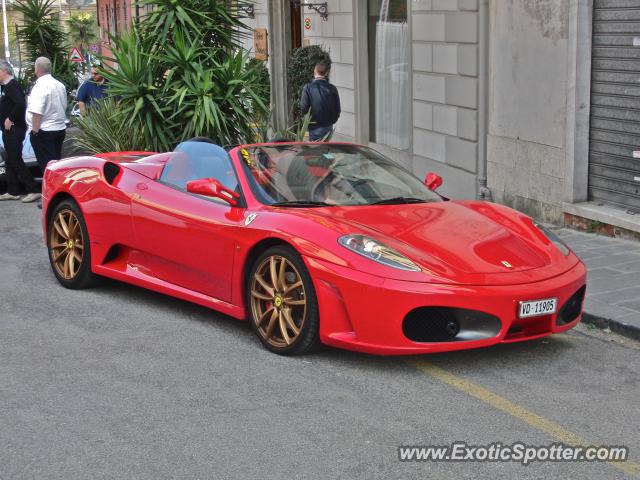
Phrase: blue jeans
(318,133)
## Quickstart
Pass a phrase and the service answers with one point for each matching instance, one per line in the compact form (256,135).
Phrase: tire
(69,247)
(283,307)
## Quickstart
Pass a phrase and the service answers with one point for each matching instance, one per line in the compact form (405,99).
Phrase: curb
(621,328)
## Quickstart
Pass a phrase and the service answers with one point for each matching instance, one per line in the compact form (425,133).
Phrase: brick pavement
(613,282)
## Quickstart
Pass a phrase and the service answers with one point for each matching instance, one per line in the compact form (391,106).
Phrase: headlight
(555,239)
(378,252)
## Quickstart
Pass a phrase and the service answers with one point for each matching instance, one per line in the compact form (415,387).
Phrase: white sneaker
(8,196)
(32,197)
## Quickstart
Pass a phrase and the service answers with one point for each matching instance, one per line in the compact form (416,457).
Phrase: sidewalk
(613,281)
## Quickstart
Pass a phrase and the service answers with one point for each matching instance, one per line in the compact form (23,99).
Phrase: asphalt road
(118,382)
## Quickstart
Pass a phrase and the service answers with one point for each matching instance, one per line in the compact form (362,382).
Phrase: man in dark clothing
(14,128)
(92,89)
(323,100)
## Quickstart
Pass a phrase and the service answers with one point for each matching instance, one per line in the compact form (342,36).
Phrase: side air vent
(111,171)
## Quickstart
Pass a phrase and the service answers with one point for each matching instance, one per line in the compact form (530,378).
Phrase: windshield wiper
(300,203)
(390,201)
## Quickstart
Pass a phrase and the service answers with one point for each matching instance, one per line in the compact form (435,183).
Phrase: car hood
(467,242)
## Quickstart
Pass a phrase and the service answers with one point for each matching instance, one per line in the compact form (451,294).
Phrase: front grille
(522,328)
(572,308)
(447,324)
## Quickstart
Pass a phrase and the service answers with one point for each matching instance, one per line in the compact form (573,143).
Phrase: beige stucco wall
(527,109)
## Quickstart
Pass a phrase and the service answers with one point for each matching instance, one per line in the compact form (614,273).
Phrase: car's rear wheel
(282,302)
(68,244)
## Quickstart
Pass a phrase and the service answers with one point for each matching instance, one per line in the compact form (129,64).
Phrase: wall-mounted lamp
(320,7)
(248,10)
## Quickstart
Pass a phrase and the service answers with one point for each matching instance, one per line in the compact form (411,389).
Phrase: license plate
(538,307)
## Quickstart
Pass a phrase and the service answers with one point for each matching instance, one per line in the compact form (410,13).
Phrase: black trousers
(17,172)
(47,146)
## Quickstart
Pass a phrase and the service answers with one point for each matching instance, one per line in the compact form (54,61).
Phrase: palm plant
(137,82)
(298,131)
(41,33)
(215,102)
(82,31)
(216,24)
(42,36)
(182,73)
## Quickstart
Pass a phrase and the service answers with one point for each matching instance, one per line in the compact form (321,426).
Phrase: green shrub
(106,128)
(182,73)
(261,117)
(263,80)
(300,71)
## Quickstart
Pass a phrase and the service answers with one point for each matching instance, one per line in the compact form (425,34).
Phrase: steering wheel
(318,192)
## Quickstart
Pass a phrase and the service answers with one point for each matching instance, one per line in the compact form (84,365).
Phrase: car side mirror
(210,187)
(433,181)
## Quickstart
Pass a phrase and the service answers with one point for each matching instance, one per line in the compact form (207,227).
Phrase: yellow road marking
(527,416)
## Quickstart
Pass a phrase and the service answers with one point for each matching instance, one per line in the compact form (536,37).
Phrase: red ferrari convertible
(312,243)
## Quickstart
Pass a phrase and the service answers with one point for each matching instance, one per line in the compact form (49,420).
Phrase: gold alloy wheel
(278,301)
(66,243)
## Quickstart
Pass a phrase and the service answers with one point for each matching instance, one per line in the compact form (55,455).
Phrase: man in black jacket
(14,128)
(323,100)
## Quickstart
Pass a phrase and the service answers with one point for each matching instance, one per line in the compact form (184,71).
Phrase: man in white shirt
(46,109)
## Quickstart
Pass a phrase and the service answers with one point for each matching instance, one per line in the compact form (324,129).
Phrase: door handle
(141,186)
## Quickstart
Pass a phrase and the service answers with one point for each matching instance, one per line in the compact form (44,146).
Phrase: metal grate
(614,144)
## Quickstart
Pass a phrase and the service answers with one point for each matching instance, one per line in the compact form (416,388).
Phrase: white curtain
(392,83)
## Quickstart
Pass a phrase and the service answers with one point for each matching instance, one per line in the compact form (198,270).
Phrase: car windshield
(326,174)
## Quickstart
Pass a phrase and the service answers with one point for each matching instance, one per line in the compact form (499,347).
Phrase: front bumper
(365,313)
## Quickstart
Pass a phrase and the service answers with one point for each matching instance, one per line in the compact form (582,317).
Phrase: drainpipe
(483,98)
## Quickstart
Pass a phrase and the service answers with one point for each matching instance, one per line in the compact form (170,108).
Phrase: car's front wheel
(282,302)
(68,244)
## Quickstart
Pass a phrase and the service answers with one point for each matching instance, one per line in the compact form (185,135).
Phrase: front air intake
(446,324)
(572,308)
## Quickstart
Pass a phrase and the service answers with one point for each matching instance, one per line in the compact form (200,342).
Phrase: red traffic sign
(75,55)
